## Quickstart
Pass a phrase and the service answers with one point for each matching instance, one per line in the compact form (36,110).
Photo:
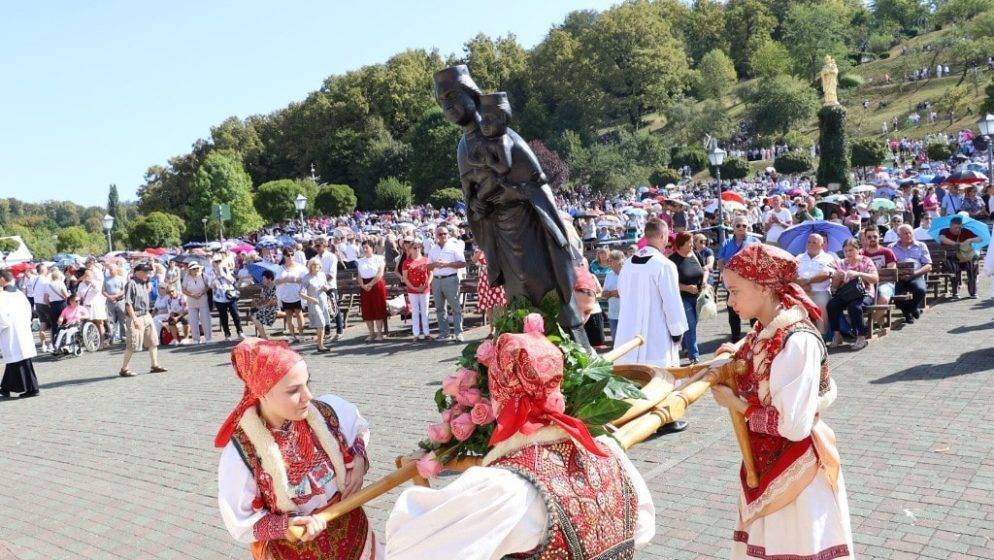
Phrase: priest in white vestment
(650,303)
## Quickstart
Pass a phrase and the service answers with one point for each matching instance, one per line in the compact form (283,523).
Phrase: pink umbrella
(242,248)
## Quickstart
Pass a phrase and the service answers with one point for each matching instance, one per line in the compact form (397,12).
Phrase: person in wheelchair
(171,312)
(70,321)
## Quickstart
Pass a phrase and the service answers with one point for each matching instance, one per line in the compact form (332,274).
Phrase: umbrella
(242,248)
(192,244)
(819,190)
(795,192)
(635,211)
(189,259)
(731,196)
(966,178)
(256,269)
(836,198)
(608,221)
(62,260)
(884,192)
(863,188)
(795,238)
(938,179)
(728,205)
(976,226)
(882,204)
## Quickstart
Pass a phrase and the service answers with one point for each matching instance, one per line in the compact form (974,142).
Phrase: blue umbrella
(976,226)
(795,238)
(938,179)
(193,244)
(256,269)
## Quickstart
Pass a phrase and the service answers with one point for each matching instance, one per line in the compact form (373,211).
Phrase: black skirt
(19,377)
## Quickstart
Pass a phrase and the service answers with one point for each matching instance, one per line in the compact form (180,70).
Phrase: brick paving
(104,467)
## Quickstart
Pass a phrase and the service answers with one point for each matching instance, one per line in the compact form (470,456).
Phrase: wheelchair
(86,338)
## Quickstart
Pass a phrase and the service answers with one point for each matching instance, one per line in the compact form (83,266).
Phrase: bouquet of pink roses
(592,393)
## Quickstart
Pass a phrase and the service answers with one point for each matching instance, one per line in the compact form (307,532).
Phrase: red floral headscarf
(525,378)
(776,269)
(260,364)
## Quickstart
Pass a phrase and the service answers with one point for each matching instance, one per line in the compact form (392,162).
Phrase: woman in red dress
(372,291)
(488,297)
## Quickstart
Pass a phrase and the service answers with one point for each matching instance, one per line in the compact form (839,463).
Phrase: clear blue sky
(93,93)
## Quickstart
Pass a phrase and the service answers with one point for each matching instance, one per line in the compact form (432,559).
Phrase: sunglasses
(741,226)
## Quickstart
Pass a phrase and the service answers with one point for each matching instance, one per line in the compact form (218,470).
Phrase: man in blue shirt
(739,240)
(908,249)
(952,203)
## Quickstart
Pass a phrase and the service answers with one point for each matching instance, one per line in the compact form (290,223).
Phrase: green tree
(988,104)
(383,158)
(555,169)
(780,103)
(392,194)
(960,11)
(793,162)
(493,63)
(704,30)
(114,203)
(221,179)
(335,200)
(433,144)
(663,176)
(636,60)
(867,152)
(906,13)
(446,198)
(748,24)
(813,31)
(157,229)
(717,75)
(274,201)
(71,239)
(7,246)
(770,59)
(688,123)
(693,156)
(938,151)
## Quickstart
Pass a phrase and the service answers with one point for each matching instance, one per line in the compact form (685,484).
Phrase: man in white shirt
(348,252)
(776,220)
(814,273)
(37,295)
(891,236)
(445,259)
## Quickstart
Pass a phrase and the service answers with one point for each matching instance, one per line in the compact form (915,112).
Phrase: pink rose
(485,352)
(468,397)
(428,466)
(451,413)
(482,414)
(462,427)
(467,378)
(534,324)
(439,433)
(555,402)
(450,385)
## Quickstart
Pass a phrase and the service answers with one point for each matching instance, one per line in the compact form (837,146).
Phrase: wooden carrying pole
(407,468)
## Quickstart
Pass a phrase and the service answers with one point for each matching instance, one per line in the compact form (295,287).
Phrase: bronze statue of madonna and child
(510,206)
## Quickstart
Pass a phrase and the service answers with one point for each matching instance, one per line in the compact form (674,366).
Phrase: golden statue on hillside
(830,81)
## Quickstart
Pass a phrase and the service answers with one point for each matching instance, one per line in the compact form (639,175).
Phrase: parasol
(257,268)
(732,196)
(795,238)
(966,177)
(188,259)
(863,189)
(879,204)
(976,226)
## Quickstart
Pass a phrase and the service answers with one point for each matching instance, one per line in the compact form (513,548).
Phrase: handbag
(851,291)
(707,307)
(232,294)
(396,305)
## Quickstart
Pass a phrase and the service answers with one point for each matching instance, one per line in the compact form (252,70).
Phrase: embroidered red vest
(774,455)
(344,538)
(590,501)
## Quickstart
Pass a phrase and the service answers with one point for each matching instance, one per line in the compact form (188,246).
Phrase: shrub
(883,55)
(937,151)
(793,162)
(158,229)
(866,152)
(850,81)
(733,168)
(393,194)
(663,176)
(692,156)
(446,198)
(335,200)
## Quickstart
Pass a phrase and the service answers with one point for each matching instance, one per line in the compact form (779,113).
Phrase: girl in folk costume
(799,510)
(286,455)
(546,489)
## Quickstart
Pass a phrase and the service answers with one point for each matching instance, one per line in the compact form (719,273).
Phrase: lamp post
(986,126)
(108,223)
(300,202)
(204,221)
(717,157)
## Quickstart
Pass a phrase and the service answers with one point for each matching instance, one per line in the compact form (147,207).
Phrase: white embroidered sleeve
(236,491)
(794,378)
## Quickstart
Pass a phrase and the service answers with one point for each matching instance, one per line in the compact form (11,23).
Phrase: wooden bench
(940,280)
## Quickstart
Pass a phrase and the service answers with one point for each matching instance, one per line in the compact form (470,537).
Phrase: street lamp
(300,202)
(986,126)
(204,221)
(717,157)
(108,222)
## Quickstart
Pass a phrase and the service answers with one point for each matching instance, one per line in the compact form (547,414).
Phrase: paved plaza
(106,467)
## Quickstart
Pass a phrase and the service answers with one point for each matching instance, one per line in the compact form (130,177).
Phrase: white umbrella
(864,189)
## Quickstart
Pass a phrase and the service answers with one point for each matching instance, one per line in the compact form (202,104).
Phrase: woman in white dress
(91,296)
(799,508)
(195,288)
(314,285)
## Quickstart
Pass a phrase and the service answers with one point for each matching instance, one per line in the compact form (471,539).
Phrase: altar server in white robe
(552,491)
(650,303)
